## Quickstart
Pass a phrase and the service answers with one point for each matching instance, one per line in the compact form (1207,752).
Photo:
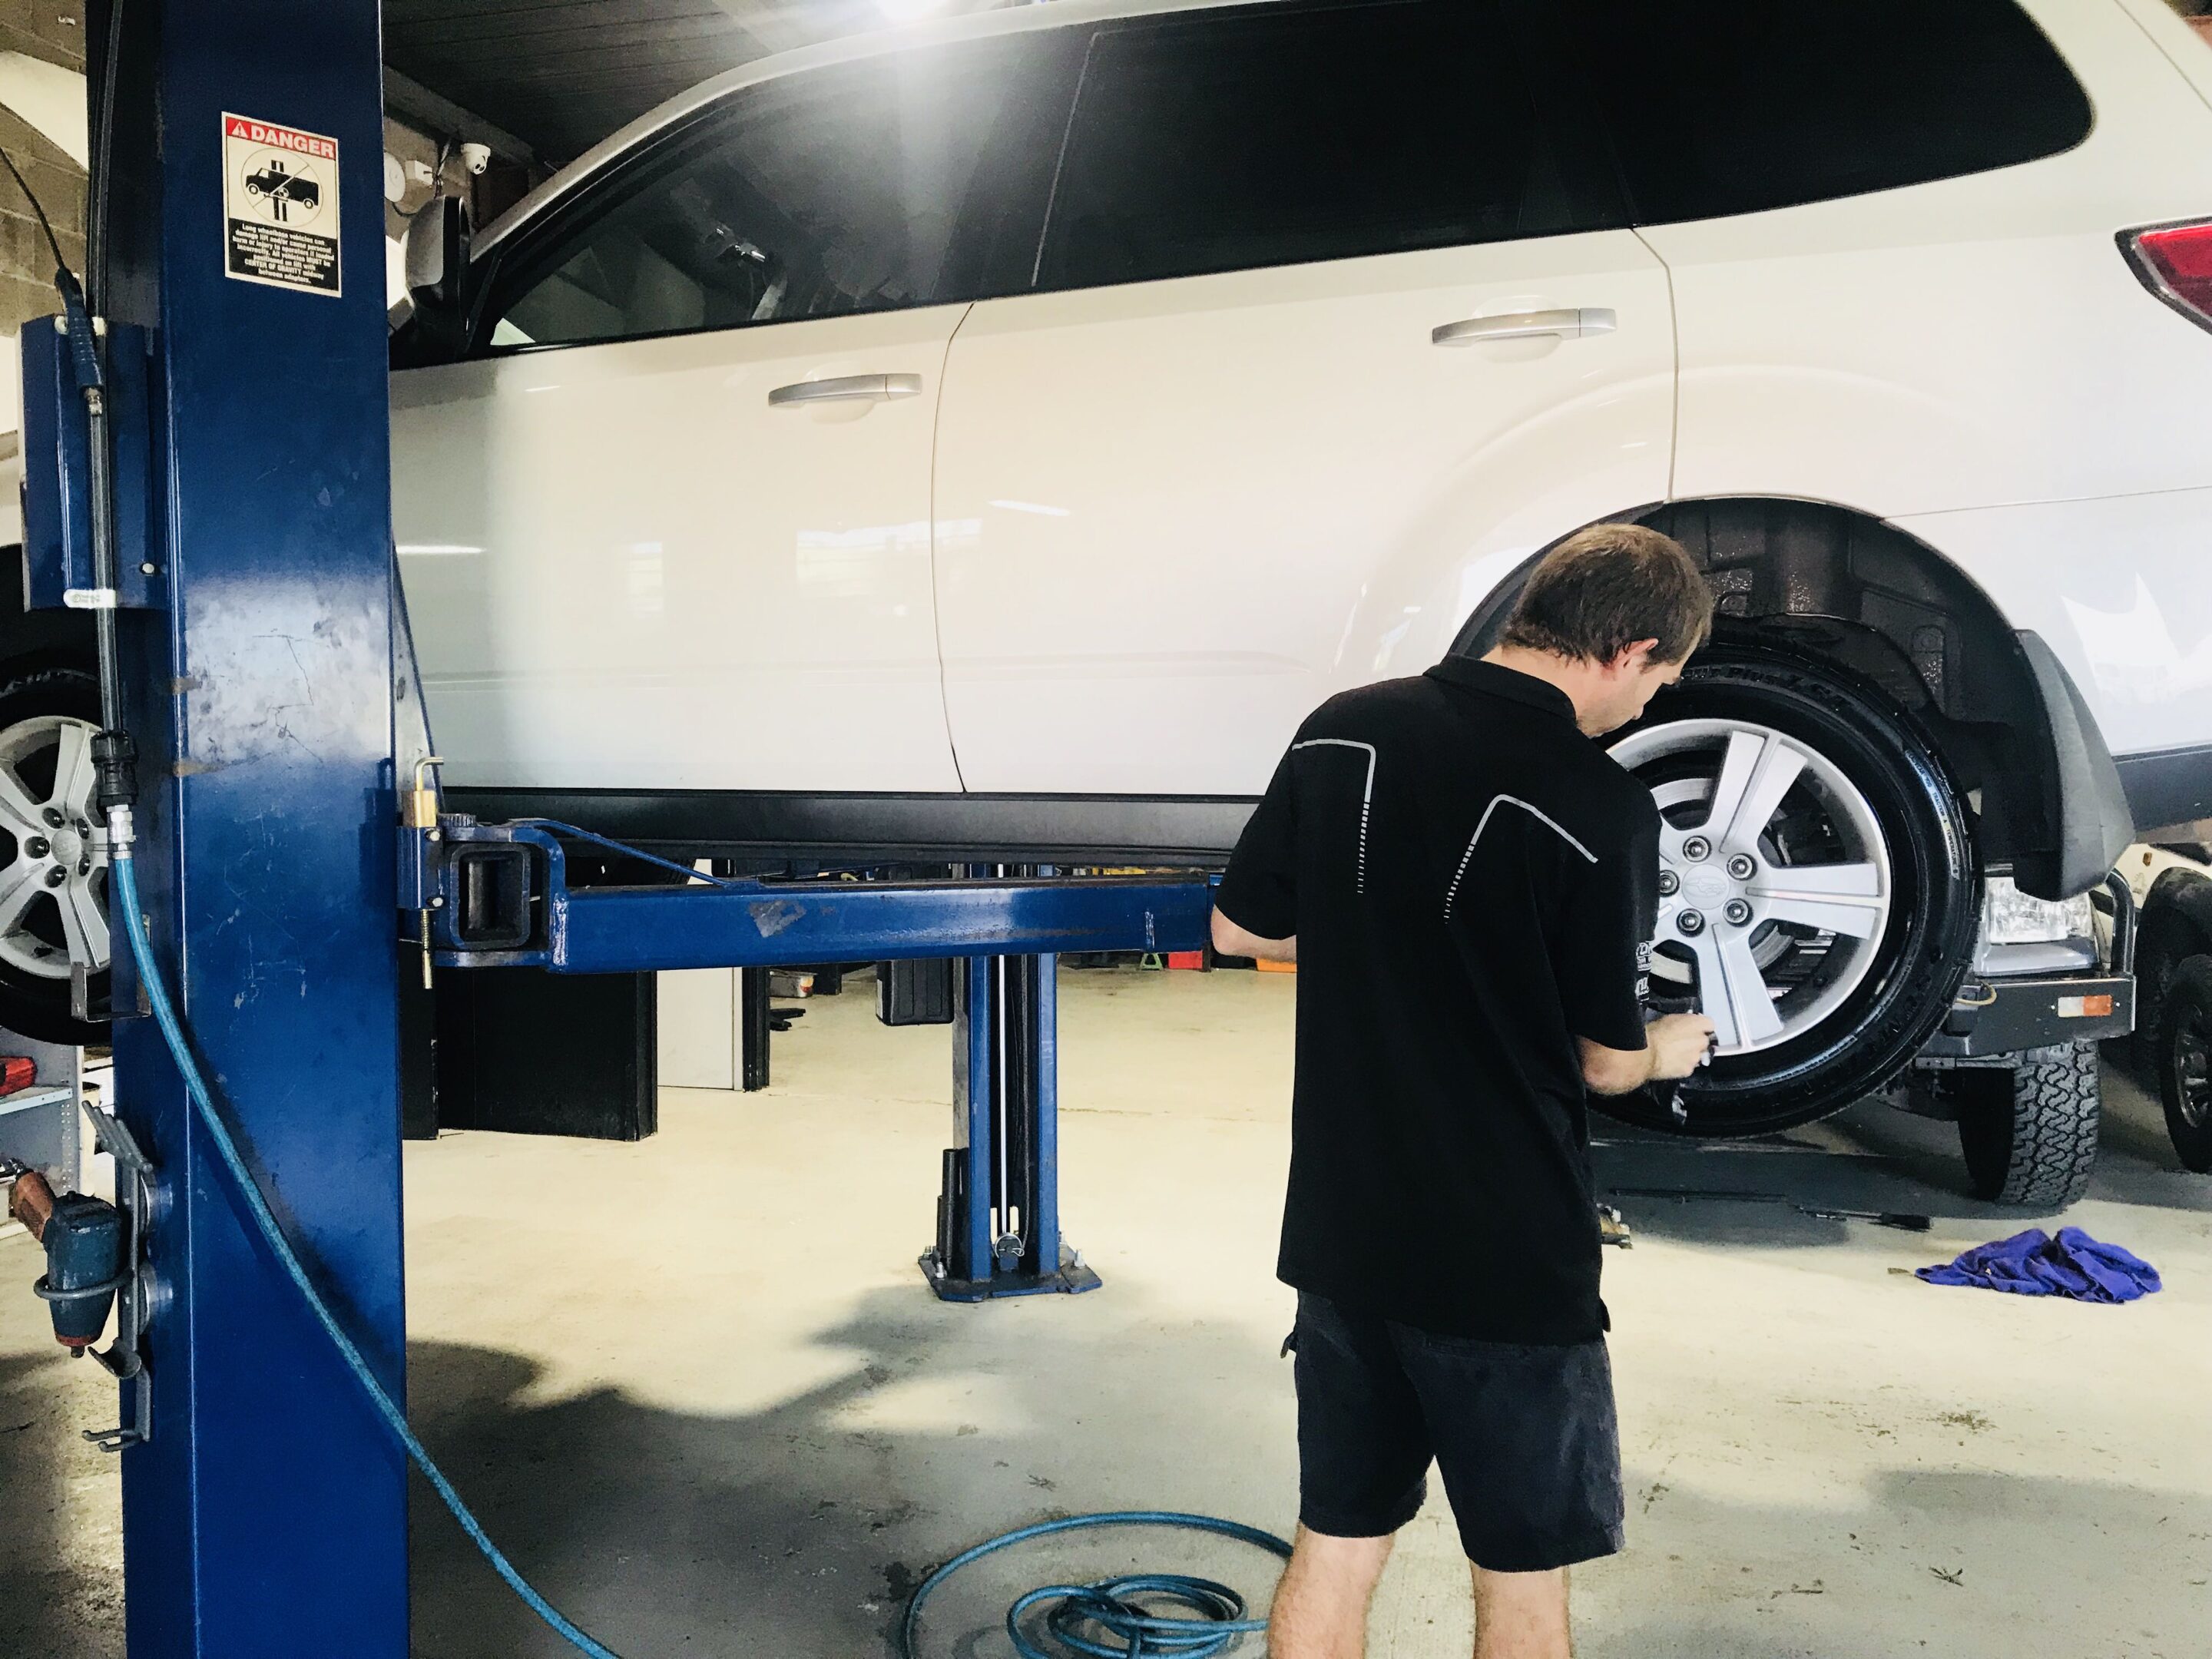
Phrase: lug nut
(1668,881)
(1696,847)
(1741,867)
(84,867)
(38,847)
(52,817)
(1689,921)
(1737,911)
(57,876)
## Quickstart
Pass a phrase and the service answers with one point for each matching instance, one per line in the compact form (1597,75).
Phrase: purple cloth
(2033,1263)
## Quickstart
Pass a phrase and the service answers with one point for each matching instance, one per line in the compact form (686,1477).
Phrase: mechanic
(1466,883)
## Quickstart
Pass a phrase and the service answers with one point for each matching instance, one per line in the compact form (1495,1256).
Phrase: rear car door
(669,529)
(1334,324)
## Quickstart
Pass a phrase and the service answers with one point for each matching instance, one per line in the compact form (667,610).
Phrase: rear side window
(1278,135)
(1722,106)
(914,179)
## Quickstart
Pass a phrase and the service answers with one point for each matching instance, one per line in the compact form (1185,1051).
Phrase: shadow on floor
(800,1530)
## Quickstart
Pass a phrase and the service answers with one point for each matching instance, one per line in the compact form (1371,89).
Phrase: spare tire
(1820,891)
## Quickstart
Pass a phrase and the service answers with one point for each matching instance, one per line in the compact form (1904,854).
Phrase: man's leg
(1521,1615)
(1321,1606)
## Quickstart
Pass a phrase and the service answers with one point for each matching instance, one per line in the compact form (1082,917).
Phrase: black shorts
(1525,1437)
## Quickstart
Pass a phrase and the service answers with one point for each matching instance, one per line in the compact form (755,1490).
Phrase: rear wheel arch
(1844,587)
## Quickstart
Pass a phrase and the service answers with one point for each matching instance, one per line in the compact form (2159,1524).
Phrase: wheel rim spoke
(1777,767)
(1734,990)
(19,813)
(73,771)
(83,924)
(19,886)
(1838,898)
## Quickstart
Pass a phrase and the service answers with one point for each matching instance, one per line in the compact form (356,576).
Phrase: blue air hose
(1111,1606)
(124,875)
(1079,1612)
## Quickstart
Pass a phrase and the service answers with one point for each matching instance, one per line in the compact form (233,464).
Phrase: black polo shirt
(1471,881)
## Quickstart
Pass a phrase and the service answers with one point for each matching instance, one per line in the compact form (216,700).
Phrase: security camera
(475,157)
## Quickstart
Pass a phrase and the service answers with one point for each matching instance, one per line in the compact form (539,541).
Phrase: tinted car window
(1725,106)
(1278,135)
(910,180)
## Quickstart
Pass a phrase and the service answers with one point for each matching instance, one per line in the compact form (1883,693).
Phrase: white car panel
(2120,588)
(1968,343)
(1173,516)
(626,570)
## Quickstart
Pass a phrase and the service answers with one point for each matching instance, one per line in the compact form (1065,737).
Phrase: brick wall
(51,31)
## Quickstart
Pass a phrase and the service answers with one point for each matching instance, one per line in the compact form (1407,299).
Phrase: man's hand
(1674,1045)
(1679,1044)
(1231,941)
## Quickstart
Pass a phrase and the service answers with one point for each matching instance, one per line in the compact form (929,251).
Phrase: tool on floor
(1903,1220)
(2033,1263)
(1122,1608)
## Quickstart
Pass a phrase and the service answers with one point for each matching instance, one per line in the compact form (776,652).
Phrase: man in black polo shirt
(1466,883)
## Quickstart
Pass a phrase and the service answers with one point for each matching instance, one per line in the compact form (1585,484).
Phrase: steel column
(267,1516)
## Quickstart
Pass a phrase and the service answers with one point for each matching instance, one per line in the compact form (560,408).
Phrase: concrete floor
(696,1388)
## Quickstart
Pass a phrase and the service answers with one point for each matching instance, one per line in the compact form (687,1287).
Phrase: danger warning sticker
(280,201)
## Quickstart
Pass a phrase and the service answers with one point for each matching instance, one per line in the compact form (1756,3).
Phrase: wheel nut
(57,876)
(52,817)
(84,867)
(1737,911)
(1696,847)
(1668,881)
(1689,921)
(1741,867)
(37,847)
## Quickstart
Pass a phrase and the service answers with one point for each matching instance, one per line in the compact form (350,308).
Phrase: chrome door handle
(1569,325)
(847,388)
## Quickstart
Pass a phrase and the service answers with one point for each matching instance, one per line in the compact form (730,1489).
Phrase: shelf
(34,1096)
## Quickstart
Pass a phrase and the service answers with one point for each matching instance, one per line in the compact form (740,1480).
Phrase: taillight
(2175,263)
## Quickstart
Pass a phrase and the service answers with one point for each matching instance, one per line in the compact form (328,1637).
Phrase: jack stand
(998,1213)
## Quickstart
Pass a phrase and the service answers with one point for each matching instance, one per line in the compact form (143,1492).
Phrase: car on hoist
(984,441)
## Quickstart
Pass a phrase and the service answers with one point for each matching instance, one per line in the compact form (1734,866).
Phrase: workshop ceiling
(563,74)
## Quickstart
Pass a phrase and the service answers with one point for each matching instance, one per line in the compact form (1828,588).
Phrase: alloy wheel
(53,886)
(1775,880)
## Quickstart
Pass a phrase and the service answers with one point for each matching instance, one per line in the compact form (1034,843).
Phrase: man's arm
(1674,1045)
(1231,941)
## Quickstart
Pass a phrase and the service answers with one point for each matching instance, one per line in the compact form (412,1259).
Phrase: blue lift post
(498,895)
(266,1513)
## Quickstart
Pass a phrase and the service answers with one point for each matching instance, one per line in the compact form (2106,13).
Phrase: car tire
(2029,1131)
(2183,1052)
(35,953)
(1876,791)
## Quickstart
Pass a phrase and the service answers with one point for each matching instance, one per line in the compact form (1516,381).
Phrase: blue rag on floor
(2033,1263)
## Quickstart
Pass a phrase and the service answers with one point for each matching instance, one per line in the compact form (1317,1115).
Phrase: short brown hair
(1604,589)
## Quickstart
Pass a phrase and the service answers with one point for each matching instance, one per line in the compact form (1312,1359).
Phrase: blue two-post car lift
(483,896)
(246,458)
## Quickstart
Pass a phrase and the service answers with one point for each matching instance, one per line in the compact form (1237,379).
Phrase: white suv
(989,439)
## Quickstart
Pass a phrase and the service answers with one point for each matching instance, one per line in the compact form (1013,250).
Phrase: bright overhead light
(909,11)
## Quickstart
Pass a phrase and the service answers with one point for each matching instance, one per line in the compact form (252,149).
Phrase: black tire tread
(2187,994)
(2040,1119)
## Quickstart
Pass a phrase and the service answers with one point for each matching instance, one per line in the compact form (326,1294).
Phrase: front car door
(1335,327)
(668,528)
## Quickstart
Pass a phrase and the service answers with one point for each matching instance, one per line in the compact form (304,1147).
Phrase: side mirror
(437,269)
